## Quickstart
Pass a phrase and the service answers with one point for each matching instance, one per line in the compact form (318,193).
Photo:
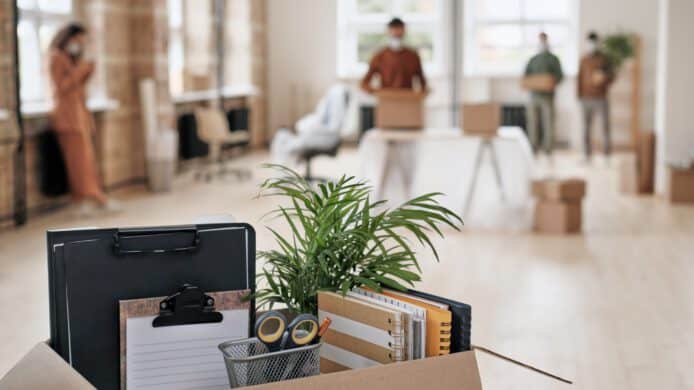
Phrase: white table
(401,164)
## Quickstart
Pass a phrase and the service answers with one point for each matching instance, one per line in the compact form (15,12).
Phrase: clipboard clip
(135,241)
(187,306)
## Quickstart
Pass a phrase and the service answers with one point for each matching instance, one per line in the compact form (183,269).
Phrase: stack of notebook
(371,328)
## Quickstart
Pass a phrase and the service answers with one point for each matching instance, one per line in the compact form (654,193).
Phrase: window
(192,46)
(362,31)
(501,35)
(175,11)
(39,20)
(238,43)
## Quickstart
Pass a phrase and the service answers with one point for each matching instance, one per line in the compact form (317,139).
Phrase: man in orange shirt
(396,65)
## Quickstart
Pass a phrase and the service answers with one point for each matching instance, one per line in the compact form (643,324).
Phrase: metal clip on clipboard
(142,240)
(188,306)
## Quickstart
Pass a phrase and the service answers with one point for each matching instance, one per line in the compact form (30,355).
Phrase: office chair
(328,148)
(328,142)
(213,129)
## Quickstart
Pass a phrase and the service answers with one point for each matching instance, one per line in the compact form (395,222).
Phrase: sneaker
(85,209)
(112,206)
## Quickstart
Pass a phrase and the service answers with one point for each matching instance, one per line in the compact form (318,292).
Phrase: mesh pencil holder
(249,362)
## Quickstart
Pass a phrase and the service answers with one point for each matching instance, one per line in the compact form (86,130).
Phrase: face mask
(593,46)
(544,46)
(74,48)
(395,43)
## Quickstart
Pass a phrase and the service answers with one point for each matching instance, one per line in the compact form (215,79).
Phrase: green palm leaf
(340,239)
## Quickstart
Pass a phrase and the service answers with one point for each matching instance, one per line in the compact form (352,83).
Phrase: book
(439,322)
(362,334)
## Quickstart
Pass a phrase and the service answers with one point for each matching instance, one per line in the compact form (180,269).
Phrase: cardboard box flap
(456,371)
(40,369)
(400,93)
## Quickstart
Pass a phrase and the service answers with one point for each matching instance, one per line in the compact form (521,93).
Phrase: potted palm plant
(340,239)
(618,47)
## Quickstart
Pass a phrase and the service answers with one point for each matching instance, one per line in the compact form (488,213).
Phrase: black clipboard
(90,270)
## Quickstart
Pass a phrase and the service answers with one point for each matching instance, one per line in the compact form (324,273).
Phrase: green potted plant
(618,47)
(340,239)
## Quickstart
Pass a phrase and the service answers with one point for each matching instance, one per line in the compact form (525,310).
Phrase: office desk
(401,164)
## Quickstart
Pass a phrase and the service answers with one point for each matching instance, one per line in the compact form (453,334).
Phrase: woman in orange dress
(71,120)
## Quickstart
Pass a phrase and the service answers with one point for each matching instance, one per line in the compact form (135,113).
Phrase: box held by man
(400,109)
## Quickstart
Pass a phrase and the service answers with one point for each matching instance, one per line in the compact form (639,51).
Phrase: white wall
(301,56)
(603,16)
(674,127)
(302,60)
(635,16)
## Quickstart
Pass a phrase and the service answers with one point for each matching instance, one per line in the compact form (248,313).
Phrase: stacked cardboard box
(681,188)
(559,205)
(637,173)
(645,157)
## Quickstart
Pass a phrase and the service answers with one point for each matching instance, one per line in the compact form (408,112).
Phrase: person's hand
(87,68)
(598,78)
(89,65)
(368,89)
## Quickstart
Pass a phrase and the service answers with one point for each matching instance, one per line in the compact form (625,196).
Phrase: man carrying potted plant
(595,75)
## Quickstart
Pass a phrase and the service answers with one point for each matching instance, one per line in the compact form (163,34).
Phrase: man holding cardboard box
(400,99)
(396,65)
(542,74)
(594,78)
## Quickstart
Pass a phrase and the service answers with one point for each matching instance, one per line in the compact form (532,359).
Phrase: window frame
(474,67)
(176,33)
(41,18)
(351,23)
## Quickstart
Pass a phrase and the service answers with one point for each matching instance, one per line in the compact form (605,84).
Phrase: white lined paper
(180,357)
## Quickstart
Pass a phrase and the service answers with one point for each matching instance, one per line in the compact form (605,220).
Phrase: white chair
(318,133)
(213,129)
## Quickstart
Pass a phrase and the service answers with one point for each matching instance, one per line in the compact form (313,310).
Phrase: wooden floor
(612,308)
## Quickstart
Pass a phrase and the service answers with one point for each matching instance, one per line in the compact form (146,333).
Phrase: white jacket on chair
(320,129)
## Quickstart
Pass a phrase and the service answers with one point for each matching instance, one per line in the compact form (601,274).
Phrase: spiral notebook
(417,317)
(408,320)
(361,335)
(439,322)
(461,322)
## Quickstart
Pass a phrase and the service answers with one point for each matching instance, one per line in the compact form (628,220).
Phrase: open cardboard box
(400,109)
(42,368)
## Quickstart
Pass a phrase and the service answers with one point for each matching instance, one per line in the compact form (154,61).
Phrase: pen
(323,328)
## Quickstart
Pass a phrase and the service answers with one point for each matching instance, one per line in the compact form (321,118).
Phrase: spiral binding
(398,346)
(445,349)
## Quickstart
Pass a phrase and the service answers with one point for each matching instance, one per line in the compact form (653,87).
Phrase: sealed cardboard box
(400,109)
(646,162)
(481,119)
(628,175)
(681,188)
(539,83)
(557,217)
(559,189)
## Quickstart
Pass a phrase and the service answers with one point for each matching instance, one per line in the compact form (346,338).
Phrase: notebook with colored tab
(439,322)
